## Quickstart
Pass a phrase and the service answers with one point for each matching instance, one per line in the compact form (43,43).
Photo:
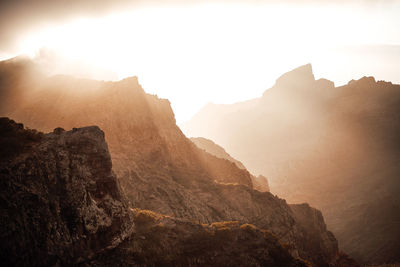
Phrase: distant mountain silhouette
(336,148)
(159,169)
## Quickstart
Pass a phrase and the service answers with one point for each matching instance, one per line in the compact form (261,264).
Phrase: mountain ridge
(159,169)
(325,145)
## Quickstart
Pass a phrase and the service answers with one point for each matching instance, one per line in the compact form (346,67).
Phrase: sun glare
(195,54)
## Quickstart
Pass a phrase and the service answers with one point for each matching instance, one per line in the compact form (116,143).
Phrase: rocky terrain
(159,169)
(336,148)
(259,182)
(166,241)
(61,205)
(60,201)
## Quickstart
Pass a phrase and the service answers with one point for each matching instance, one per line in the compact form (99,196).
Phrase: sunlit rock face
(159,169)
(336,148)
(60,202)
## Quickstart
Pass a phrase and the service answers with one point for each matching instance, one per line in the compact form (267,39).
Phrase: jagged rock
(60,202)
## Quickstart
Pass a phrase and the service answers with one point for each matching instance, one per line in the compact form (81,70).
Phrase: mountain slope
(159,169)
(336,148)
(215,150)
(260,182)
(61,205)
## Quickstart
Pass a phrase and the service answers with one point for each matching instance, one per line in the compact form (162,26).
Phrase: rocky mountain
(159,169)
(61,205)
(60,201)
(260,182)
(336,148)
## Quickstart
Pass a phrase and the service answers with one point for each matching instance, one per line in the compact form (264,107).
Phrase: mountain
(336,148)
(260,182)
(60,201)
(61,205)
(158,168)
(215,150)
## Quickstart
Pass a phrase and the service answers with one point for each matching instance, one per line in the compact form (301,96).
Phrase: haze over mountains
(156,168)
(336,148)
(259,182)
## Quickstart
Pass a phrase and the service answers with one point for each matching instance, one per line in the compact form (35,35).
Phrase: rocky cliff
(60,201)
(61,205)
(159,169)
(336,148)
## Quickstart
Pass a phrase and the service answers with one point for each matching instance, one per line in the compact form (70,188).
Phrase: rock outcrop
(159,169)
(60,202)
(336,148)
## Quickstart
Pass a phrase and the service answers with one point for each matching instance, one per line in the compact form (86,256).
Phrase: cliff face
(313,227)
(158,168)
(60,201)
(336,148)
(61,205)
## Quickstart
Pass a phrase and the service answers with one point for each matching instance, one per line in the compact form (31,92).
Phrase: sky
(196,52)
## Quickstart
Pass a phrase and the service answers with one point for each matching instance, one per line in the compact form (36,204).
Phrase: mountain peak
(298,77)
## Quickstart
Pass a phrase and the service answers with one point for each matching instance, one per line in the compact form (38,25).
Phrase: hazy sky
(194,52)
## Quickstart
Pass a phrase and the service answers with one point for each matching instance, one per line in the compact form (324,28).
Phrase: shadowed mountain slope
(336,148)
(60,201)
(61,205)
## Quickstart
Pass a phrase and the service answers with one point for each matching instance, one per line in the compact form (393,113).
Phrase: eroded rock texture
(60,201)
